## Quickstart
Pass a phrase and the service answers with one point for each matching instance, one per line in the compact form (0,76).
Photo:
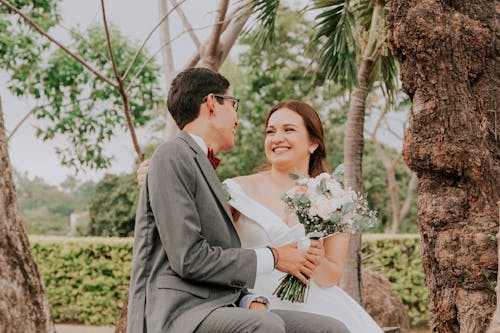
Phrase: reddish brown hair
(314,128)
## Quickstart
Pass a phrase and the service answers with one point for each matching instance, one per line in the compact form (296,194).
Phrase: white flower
(313,210)
(324,175)
(335,204)
(335,188)
(325,208)
(303,181)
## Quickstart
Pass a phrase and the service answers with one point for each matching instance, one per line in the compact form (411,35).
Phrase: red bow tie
(213,160)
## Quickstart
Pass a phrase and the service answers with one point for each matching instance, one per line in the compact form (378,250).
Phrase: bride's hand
(317,250)
(300,264)
(142,171)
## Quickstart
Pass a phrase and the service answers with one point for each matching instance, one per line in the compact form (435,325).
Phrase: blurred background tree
(112,209)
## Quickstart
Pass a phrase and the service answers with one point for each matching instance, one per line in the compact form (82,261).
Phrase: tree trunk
(495,323)
(354,143)
(24,306)
(353,159)
(448,54)
(168,65)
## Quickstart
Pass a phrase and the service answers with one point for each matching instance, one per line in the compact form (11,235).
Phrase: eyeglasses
(236,101)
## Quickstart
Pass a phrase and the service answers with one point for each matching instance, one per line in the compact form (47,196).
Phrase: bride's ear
(313,147)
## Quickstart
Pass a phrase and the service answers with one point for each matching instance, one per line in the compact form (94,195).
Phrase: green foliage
(347,35)
(263,25)
(342,37)
(112,209)
(398,259)
(339,48)
(86,278)
(82,107)
(45,208)
(75,104)
(21,47)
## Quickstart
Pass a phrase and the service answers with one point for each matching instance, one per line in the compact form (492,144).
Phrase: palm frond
(385,70)
(262,26)
(363,10)
(389,69)
(337,57)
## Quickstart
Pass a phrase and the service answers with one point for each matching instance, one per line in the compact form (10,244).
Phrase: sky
(136,19)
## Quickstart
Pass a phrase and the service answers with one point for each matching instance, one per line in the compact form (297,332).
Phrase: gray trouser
(238,320)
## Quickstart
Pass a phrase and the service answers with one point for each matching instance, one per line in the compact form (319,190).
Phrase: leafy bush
(87,278)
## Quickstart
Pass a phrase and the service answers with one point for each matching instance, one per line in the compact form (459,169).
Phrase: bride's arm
(235,213)
(331,269)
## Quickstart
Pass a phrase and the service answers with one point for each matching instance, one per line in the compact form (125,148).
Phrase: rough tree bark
(448,54)
(495,322)
(24,306)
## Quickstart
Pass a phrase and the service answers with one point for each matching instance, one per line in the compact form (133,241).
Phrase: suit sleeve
(172,183)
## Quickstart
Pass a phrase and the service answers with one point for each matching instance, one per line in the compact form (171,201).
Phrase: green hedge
(86,278)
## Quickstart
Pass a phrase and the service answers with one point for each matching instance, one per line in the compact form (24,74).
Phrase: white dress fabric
(258,227)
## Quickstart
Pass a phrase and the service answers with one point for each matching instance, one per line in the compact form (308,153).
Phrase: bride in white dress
(293,144)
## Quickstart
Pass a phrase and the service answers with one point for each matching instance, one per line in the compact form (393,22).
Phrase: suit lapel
(208,172)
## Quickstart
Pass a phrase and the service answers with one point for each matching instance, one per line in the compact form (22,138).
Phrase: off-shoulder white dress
(258,227)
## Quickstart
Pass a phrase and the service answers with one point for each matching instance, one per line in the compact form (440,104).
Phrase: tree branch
(139,50)
(187,26)
(167,57)
(231,28)
(412,184)
(154,55)
(53,40)
(209,58)
(110,48)
(11,134)
(232,31)
(123,93)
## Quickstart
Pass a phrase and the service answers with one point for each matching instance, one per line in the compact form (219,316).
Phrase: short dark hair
(187,91)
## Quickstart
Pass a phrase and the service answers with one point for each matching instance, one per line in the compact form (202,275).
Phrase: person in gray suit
(189,272)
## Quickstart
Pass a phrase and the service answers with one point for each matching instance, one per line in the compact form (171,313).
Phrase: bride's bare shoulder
(250,182)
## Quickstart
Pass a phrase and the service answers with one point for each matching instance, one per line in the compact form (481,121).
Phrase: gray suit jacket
(187,259)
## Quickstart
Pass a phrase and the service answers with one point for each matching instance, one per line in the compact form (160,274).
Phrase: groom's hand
(258,306)
(300,264)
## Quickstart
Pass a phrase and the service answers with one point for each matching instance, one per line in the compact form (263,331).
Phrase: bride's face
(287,142)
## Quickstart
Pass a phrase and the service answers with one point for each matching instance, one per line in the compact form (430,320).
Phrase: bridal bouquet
(325,206)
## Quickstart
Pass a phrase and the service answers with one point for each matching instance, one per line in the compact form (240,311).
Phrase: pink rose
(301,190)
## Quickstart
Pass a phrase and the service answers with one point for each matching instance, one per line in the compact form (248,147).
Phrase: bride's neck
(282,177)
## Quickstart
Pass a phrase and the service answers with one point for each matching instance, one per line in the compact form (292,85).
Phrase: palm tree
(353,53)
